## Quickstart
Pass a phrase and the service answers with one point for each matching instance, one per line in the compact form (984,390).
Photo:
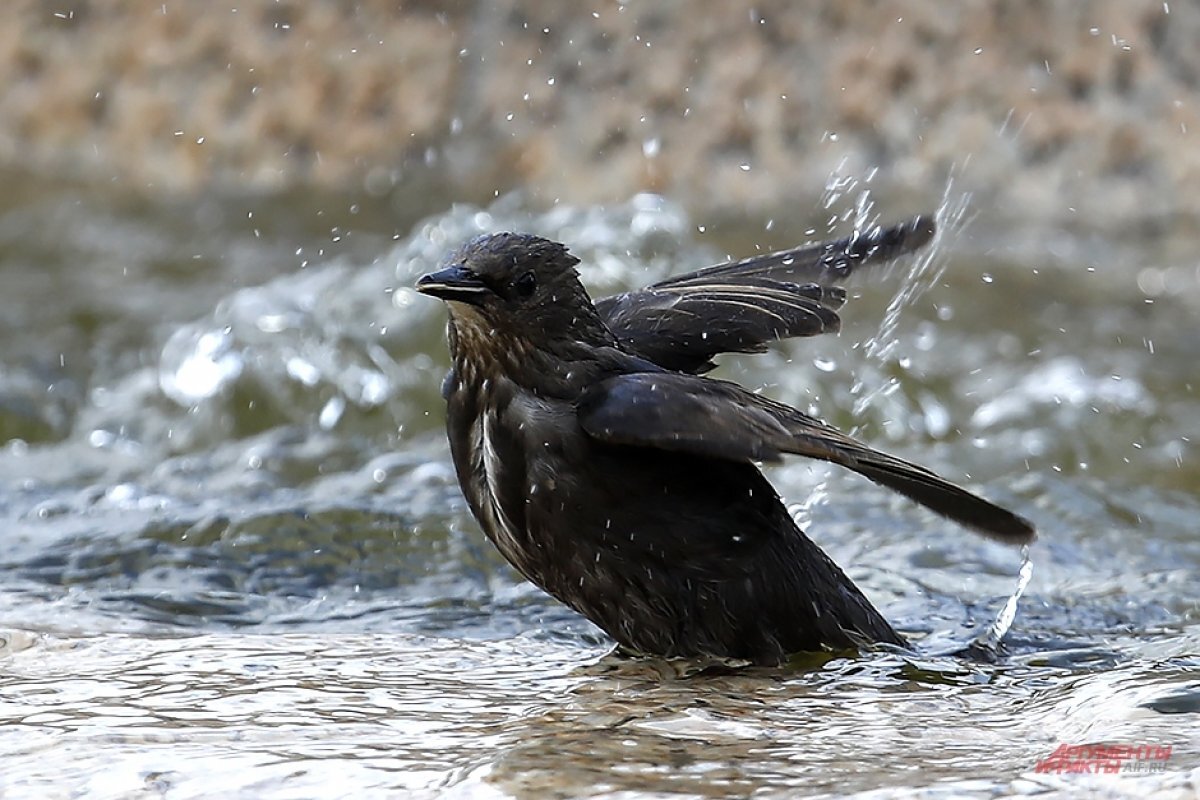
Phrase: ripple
(240,563)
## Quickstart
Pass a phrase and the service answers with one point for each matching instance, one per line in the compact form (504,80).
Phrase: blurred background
(232,541)
(1065,113)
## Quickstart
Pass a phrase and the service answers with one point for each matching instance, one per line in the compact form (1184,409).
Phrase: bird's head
(516,287)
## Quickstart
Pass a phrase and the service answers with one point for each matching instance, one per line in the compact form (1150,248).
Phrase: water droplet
(303,371)
(332,412)
(937,418)
(101,438)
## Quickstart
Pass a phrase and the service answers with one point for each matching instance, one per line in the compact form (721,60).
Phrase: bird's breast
(499,467)
(494,428)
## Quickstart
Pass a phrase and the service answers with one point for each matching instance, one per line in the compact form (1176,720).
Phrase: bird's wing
(705,417)
(829,262)
(682,322)
(683,328)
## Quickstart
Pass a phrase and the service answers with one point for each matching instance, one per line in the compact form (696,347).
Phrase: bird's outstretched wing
(706,417)
(682,322)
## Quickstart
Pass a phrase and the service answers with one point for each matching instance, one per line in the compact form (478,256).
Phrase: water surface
(235,561)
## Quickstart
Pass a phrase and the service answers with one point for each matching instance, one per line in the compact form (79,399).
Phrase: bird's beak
(453,283)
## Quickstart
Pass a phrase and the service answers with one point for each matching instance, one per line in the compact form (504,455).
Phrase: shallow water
(236,562)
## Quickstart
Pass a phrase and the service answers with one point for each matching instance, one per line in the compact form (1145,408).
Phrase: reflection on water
(236,562)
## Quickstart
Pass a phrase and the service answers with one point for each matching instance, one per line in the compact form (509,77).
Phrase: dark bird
(616,478)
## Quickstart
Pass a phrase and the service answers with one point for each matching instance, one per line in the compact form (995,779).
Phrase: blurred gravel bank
(1064,110)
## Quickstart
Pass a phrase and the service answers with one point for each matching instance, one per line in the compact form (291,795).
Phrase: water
(236,562)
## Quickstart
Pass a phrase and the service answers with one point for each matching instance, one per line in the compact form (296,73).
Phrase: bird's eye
(525,284)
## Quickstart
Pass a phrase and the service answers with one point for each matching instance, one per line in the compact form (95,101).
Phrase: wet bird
(611,473)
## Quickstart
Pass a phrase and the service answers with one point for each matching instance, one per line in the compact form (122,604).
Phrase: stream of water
(235,561)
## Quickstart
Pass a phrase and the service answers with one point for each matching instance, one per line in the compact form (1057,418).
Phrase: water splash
(200,363)
(926,269)
(1004,620)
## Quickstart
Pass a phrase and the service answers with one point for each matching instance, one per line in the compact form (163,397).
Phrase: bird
(613,473)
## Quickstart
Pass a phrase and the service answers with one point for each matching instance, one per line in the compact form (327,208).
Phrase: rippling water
(236,562)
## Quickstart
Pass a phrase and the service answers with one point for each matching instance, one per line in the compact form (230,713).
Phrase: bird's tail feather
(948,500)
